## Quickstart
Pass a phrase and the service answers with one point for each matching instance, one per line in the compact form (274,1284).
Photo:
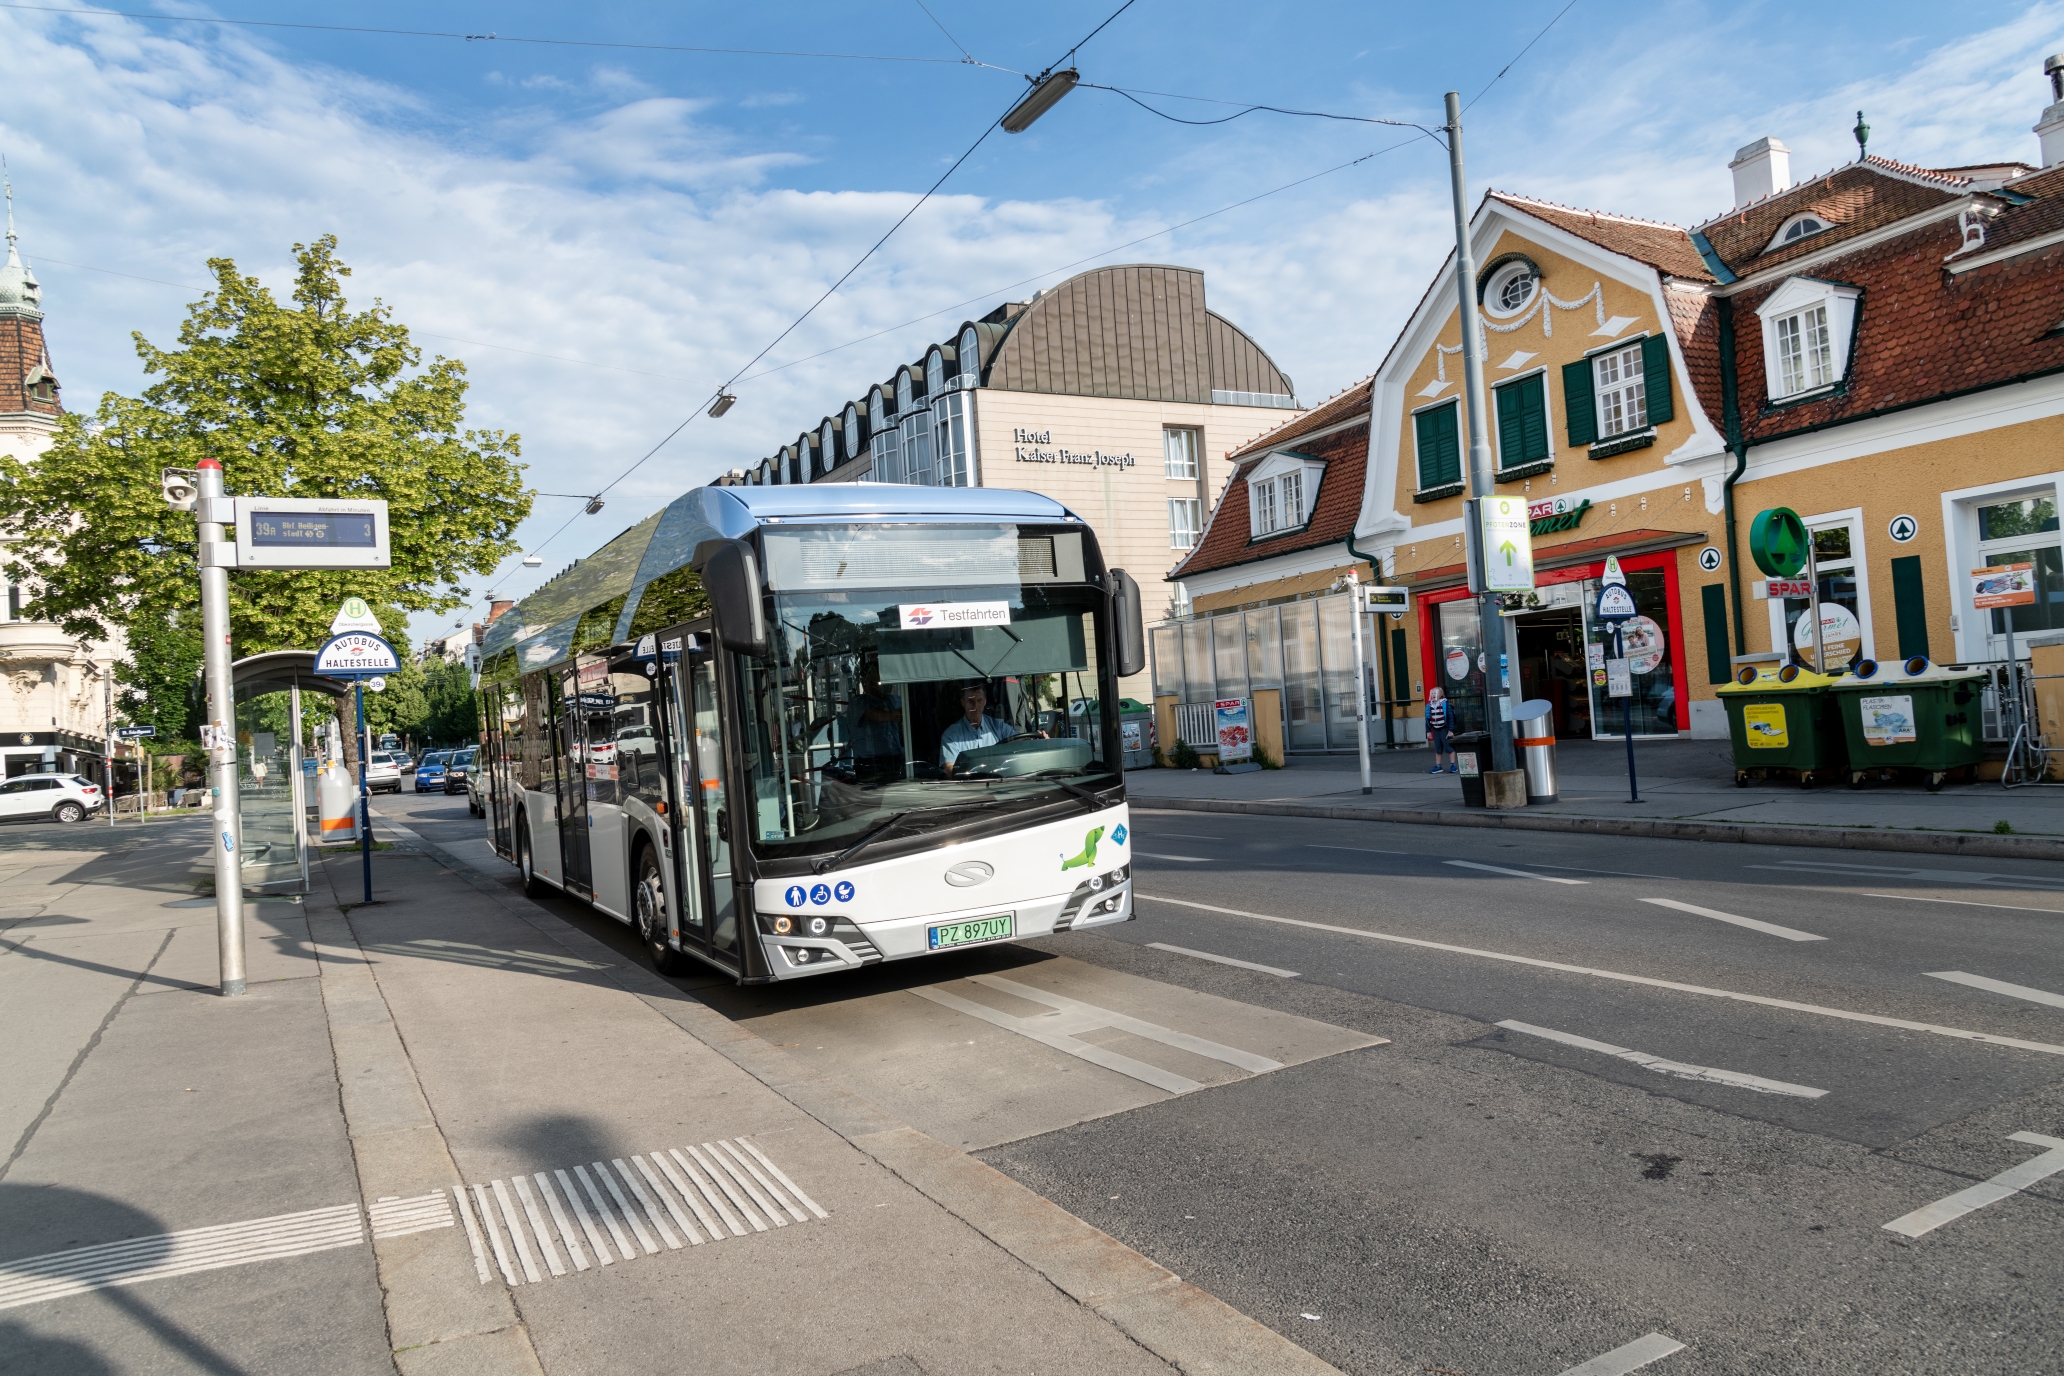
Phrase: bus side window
(529,727)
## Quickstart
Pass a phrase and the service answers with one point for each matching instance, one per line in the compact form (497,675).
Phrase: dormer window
(852,427)
(935,372)
(1797,228)
(970,356)
(1280,493)
(1807,327)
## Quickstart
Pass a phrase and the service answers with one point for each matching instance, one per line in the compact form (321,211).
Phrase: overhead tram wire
(1521,53)
(474,37)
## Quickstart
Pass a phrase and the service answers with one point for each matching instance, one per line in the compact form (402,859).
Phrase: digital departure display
(313,529)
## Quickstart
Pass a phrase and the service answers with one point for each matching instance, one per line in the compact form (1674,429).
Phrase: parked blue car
(430,771)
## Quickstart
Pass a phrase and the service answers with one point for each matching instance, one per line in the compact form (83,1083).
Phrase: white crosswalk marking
(713,1185)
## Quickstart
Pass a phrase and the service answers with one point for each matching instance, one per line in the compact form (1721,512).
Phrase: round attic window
(1510,288)
(1800,228)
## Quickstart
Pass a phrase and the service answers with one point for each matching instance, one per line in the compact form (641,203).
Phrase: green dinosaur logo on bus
(1088,856)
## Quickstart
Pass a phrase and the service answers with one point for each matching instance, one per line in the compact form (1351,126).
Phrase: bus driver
(976,729)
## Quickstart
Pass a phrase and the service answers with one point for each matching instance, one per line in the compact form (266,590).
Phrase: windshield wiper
(889,824)
(1090,796)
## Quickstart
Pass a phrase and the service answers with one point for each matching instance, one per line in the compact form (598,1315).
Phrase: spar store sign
(356,654)
(1551,514)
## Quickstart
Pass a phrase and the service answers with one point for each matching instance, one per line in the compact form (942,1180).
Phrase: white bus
(791,730)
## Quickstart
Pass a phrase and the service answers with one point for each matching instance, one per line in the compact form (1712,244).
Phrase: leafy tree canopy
(302,400)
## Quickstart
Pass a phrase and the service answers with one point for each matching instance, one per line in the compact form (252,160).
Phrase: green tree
(454,716)
(310,399)
(158,678)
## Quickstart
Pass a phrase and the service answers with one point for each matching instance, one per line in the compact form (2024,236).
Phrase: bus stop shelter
(275,773)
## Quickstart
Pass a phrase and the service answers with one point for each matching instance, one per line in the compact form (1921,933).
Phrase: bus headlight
(818,926)
(783,924)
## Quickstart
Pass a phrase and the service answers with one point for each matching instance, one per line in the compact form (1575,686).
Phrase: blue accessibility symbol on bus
(844,891)
(821,894)
(1118,836)
(795,896)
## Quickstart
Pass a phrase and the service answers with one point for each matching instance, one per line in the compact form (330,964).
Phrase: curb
(1660,828)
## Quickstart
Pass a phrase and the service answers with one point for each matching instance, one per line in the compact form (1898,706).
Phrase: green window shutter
(1440,447)
(1655,377)
(1400,668)
(1910,606)
(1522,422)
(1511,428)
(1579,402)
(1719,667)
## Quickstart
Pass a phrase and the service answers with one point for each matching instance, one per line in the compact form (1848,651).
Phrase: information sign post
(1615,608)
(358,656)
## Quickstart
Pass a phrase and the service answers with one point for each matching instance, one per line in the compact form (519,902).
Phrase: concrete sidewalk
(1687,790)
(450,1132)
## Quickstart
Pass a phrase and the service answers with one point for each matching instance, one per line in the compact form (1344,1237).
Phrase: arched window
(828,445)
(970,357)
(1797,228)
(854,436)
(935,371)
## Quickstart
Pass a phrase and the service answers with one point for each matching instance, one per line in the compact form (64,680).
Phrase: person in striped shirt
(1437,726)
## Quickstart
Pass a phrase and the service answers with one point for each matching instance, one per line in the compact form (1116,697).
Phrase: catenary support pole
(216,557)
(1358,609)
(365,802)
(1491,626)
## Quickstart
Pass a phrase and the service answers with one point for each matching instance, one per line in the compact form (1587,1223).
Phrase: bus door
(695,741)
(576,733)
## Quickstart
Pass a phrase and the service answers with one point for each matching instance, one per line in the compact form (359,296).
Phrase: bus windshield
(963,679)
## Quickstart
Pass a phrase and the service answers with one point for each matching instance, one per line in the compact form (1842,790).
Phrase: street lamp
(1046,93)
(724,402)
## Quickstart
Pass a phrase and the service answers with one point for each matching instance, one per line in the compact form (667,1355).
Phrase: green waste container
(1781,719)
(1915,715)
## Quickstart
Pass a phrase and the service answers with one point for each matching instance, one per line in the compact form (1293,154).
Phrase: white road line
(1186,859)
(723,1183)
(1223,960)
(1593,869)
(494,1235)
(709,1191)
(2000,986)
(1679,1069)
(761,1196)
(1516,874)
(2006,1183)
(1366,850)
(580,1211)
(472,1232)
(1193,836)
(522,1243)
(1762,1000)
(537,1226)
(2019,881)
(134,1260)
(1632,1357)
(645,1201)
(689,1193)
(623,1207)
(1967,903)
(400,1217)
(1771,928)
(666,1197)
(1183,1041)
(782,1176)
(623,1244)
(566,1232)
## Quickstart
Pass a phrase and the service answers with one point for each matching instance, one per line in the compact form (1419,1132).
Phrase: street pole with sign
(358,656)
(136,736)
(1357,609)
(1505,552)
(270,533)
(1616,607)
(1781,546)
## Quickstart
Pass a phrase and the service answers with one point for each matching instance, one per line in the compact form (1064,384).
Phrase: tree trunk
(347,722)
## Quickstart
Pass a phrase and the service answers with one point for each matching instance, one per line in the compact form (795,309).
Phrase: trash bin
(1472,753)
(1533,725)
(1914,715)
(1136,732)
(1781,718)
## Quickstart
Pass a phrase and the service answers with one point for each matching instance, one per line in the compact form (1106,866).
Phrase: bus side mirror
(1128,624)
(731,577)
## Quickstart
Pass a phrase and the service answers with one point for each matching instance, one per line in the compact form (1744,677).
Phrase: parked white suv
(51,797)
(383,772)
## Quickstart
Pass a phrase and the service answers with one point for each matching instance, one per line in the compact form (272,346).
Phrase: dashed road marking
(1622,977)
(1754,925)
(1071,1018)
(1964,903)
(1632,1357)
(134,1260)
(1222,960)
(395,1217)
(1516,874)
(1679,1069)
(2000,986)
(2002,1186)
(1185,859)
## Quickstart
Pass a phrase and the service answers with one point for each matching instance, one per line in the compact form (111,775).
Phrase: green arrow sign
(1777,542)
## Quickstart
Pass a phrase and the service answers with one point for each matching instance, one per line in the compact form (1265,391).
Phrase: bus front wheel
(649,901)
(533,887)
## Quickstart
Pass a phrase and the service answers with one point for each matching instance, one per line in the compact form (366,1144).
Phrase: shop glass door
(1651,659)
(2022,531)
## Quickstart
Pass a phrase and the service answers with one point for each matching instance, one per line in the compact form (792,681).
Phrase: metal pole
(215,559)
(1384,676)
(1813,604)
(107,727)
(1358,610)
(1490,624)
(1627,716)
(365,803)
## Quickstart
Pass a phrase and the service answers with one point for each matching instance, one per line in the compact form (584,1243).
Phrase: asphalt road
(1714,1159)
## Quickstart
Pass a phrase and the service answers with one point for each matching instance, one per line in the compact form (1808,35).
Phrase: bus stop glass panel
(1265,648)
(1229,643)
(1168,675)
(1303,706)
(1336,626)
(1651,661)
(1459,662)
(1200,686)
(270,794)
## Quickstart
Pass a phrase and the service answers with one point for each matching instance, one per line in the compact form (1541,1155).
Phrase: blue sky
(659,216)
